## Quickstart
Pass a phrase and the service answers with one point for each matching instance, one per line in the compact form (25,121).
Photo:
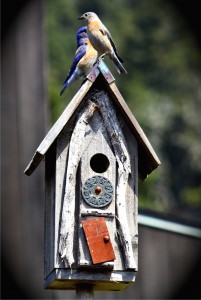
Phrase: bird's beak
(81,18)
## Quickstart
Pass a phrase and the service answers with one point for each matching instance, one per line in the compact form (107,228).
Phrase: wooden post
(85,292)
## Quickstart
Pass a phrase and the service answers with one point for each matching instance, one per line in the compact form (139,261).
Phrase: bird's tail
(70,78)
(118,63)
(63,89)
(65,84)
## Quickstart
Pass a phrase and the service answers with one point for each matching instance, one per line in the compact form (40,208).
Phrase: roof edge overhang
(57,128)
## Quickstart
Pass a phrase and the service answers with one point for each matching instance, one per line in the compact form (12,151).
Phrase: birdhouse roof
(148,160)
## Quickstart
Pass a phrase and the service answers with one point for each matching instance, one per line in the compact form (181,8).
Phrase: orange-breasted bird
(85,58)
(101,39)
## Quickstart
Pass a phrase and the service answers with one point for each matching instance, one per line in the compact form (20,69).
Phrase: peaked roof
(148,160)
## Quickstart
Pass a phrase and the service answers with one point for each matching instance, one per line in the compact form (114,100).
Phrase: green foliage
(162,86)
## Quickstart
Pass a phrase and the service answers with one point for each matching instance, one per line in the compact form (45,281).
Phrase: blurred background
(160,42)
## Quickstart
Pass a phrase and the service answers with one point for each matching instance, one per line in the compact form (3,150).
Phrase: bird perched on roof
(85,58)
(101,39)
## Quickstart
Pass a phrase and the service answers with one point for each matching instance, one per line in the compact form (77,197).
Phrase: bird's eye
(86,15)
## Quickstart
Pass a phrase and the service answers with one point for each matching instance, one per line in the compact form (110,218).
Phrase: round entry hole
(99,163)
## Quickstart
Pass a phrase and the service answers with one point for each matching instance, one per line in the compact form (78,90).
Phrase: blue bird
(81,36)
(85,58)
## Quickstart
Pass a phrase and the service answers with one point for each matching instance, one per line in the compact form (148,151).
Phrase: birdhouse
(94,155)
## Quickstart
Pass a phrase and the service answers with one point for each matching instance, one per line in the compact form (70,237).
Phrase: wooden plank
(78,143)
(62,148)
(106,281)
(122,156)
(131,204)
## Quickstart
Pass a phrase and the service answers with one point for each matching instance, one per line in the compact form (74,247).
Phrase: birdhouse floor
(108,281)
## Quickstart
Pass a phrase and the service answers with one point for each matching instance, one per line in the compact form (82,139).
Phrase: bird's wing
(81,51)
(104,31)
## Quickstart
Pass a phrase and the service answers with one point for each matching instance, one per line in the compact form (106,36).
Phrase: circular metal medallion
(97,191)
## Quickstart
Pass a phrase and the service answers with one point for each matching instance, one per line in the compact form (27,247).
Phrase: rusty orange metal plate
(98,240)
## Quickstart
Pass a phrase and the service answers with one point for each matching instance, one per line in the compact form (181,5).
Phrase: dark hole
(99,163)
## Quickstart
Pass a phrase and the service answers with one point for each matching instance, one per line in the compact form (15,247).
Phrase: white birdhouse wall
(96,142)
(98,162)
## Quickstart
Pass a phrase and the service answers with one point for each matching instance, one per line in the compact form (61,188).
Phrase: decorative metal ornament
(97,191)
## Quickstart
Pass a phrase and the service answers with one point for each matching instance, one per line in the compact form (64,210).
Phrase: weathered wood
(76,149)
(124,171)
(62,150)
(96,129)
(97,212)
(99,144)
(102,281)
(67,230)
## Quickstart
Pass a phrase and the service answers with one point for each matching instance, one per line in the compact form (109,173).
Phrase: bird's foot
(99,59)
(102,56)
